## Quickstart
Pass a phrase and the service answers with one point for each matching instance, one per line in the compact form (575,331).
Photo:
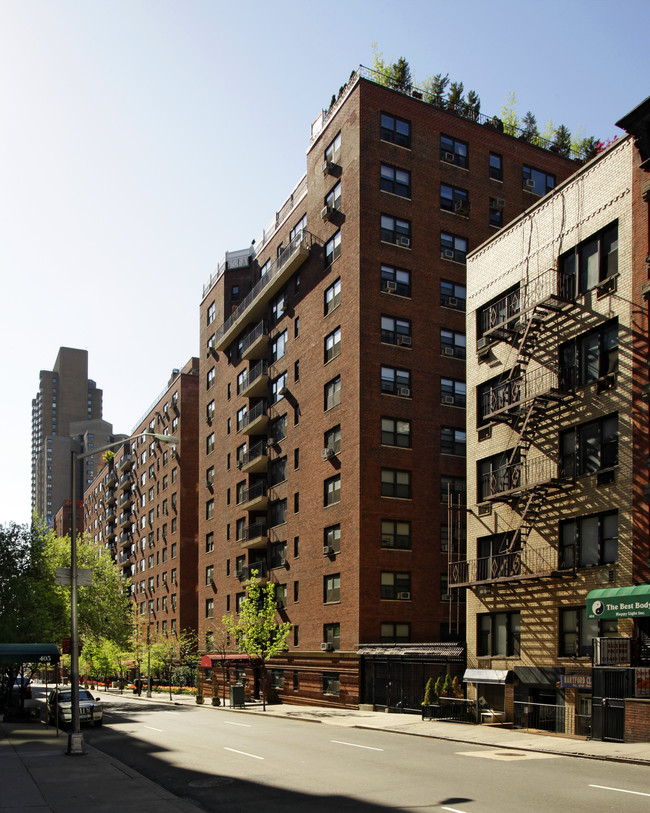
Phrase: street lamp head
(161,438)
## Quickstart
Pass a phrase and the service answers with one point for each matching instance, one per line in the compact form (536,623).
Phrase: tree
(256,630)
(455,100)
(509,115)
(401,75)
(435,87)
(530,131)
(171,651)
(562,141)
(472,105)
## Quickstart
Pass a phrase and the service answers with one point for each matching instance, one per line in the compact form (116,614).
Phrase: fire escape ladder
(533,503)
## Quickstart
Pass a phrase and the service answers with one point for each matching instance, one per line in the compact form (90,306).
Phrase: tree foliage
(256,630)
(168,652)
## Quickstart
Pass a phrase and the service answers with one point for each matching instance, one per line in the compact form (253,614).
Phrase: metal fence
(541,716)
(451,709)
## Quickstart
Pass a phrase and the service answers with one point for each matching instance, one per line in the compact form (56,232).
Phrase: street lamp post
(75,737)
(148,648)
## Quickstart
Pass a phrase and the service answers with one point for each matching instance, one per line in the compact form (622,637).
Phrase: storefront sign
(619,602)
(575,682)
(611,651)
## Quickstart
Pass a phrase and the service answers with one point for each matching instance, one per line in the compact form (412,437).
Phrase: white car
(90,709)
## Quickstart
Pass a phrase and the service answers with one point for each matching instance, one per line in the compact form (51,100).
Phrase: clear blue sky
(141,139)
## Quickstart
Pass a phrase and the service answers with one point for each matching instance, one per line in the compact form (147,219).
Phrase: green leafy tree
(429,695)
(447,686)
(509,115)
(256,630)
(587,147)
(172,651)
(401,76)
(438,691)
(472,105)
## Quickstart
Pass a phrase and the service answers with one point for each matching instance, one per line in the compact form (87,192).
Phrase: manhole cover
(210,783)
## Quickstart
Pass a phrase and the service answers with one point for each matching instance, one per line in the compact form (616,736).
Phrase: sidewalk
(37,775)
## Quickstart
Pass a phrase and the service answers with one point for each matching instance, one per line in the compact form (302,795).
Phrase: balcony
(125,519)
(254,536)
(110,514)
(244,574)
(255,345)
(124,557)
(111,478)
(126,500)
(125,538)
(517,565)
(255,304)
(109,497)
(514,479)
(256,382)
(504,400)
(126,481)
(255,460)
(255,498)
(256,420)
(125,463)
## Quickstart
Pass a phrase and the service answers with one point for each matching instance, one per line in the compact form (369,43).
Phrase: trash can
(237,696)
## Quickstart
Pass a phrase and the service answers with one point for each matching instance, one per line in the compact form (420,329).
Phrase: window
(332,538)
(298,229)
(395,483)
(332,490)
(278,388)
(279,428)
(396,130)
(234,293)
(396,432)
(453,489)
(589,541)
(209,443)
(241,492)
(395,230)
(453,441)
(278,470)
(453,199)
(589,357)
(333,439)
(278,554)
(331,683)
(453,343)
(396,331)
(395,280)
(209,544)
(457,539)
(333,199)
(332,152)
(209,477)
(210,377)
(589,447)
(596,259)
(453,247)
(453,392)
(209,574)
(396,382)
(577,632)
(209,411)
(498,474)
(500,310)
(394,633)
(333,392)
(332,588)
(536,181)
(174,580)
(281,596)
(212,313)
(454,151)
(397,181)
(332,635)
(241,417)
(174,548)
(333,296)
(296,327)
(278,347)
(333,249)
(496,212)
(395,534)
(278,512)
(453,295)
(498,634)
(278,307)
(296,370)
(276,678)
(239,598)
(333,345)
(395,586)
(496,166)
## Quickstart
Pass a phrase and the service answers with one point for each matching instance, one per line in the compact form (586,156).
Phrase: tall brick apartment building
(143,507)
(557,385)
(332,393)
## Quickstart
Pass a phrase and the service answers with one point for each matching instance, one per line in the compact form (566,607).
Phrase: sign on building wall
(642,682)
(611,651)
(576,682)
(619,602)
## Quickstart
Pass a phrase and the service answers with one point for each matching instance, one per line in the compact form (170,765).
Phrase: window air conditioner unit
(390,286)
(327,550)
(448,157)
(451,302)
(404,392)
(447,351)
(404,341)
(529,183)
(404,596)
(327,453)
(448,399)
(498,203)
(327,167)
(447,254)
(326,212)
(404,241)
(461,207)
(326,646)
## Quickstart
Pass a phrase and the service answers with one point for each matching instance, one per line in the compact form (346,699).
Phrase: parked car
(20,687)
(91,709)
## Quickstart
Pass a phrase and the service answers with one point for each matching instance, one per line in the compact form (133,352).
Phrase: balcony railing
(256,451)
(508,396)
(515,478)
(516,565)
(260,410)
(254,535)
(250,340)
(255,381)
(253,493)
(245,572)
(296,252)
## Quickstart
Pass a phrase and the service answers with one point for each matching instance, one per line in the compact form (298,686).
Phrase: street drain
(210,783)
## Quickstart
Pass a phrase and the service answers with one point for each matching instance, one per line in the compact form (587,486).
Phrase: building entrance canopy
(499,676)
(29,653)
(619,602)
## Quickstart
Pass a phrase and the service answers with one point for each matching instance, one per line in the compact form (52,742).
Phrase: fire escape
(521,400)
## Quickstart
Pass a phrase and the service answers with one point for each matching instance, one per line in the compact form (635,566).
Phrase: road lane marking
(243,725)
(354,745)
(243,753)
(171,712)
(620,790)
(151,728)
(452,809)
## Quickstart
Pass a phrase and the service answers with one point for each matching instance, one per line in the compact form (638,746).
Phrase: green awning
(619,602)
(29,653)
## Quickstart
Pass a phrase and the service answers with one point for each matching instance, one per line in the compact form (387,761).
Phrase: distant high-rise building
(67,409)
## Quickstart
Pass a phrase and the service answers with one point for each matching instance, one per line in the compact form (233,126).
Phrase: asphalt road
(227,761)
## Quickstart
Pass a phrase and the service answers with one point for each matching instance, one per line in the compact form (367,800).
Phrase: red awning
(208,661)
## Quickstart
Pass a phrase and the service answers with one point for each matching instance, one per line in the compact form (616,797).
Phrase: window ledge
(396,195)
(397,245)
